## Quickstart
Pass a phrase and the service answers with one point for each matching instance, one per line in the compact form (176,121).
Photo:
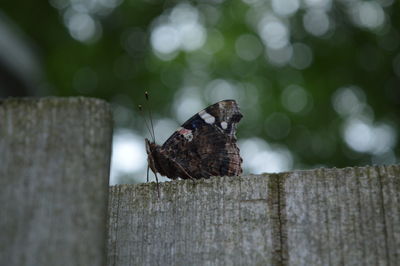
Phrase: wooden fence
(54,166)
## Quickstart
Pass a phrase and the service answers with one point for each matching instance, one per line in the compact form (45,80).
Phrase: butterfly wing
(205,145)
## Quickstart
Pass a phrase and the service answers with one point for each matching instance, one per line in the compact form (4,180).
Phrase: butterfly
(204,146)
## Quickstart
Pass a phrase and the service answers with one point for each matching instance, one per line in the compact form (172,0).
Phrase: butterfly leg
(158,187)
(148,174)
(187,175)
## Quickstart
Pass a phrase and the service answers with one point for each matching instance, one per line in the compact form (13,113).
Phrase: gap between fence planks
(54,169)
(345,216)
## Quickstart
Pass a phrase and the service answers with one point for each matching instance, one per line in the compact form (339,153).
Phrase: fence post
(345,216)
(54,169)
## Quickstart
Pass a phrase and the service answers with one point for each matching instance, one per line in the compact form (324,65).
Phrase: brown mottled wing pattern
(205,145)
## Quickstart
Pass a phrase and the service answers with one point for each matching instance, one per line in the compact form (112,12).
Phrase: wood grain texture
(208,222)
(54,169)
(345,216)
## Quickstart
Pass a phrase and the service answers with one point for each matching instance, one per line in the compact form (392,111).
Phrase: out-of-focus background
(318,81)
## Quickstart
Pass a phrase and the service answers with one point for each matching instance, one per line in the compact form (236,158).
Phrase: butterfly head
(151,149)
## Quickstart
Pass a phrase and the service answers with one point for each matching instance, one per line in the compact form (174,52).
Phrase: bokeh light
(296,99)
(126,155)
(273,32)
(256,152)
(181,29)
(248,47)
(368,14)
(316,22)
(285,7)
(362,136)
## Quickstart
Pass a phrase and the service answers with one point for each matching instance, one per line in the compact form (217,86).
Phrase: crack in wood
(382,198)
(277,204)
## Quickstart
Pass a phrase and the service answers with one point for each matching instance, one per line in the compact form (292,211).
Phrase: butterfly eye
(148,150)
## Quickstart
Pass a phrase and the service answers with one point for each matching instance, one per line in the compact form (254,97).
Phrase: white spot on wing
(189,136)
(209,119)
(186,133)
(224,125)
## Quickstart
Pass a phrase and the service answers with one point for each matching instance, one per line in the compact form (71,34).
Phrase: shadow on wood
(320,217)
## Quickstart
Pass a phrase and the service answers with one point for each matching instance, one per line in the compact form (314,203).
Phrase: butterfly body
(203,146)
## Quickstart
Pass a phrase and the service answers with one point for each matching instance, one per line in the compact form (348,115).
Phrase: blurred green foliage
(334,77)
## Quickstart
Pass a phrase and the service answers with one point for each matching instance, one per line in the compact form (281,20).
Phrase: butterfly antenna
(145,122)
(151,118)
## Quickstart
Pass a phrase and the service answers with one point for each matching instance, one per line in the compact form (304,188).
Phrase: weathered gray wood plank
(320,217)
(54,168)
(343,216)
(220,221)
